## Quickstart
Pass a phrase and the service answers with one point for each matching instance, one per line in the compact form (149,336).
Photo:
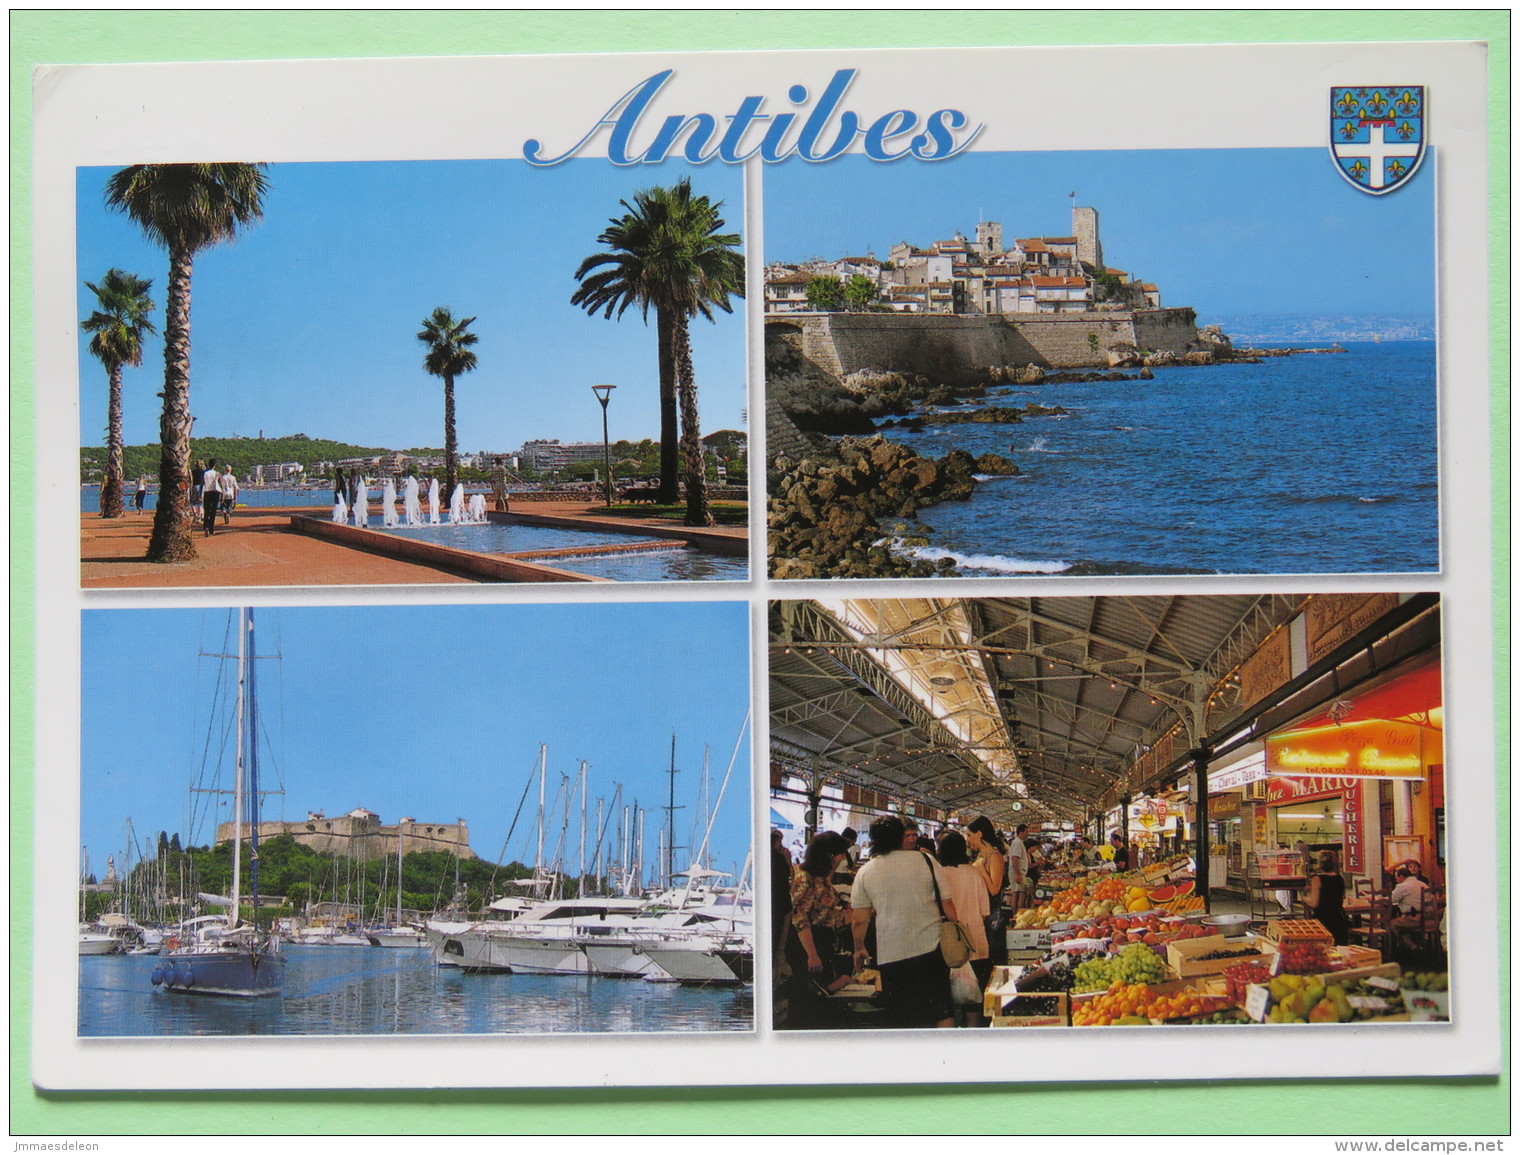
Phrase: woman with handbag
(968,893)
(992,863)
(901,889)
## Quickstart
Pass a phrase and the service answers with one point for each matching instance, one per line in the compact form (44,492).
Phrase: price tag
(1364,1003)
(1384,984)
(1257,1000)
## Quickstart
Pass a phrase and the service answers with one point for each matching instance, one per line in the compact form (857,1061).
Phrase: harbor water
(1312,463)
(341,990)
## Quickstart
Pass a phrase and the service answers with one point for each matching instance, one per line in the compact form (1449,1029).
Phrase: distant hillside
(1322,328)
(243,453)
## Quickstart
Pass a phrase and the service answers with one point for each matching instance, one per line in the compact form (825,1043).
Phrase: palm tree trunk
(450,467)
(691,428)
(670,488)
(170,540)
(110,488)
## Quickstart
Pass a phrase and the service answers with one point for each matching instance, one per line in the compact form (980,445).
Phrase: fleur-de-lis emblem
(1397,168)
(1347,106)
(1405,130)
(1348,130)
(1358,169)
(1377,104)
(1406,104)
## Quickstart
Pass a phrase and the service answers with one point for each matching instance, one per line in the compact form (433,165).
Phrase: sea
(1311,463)
(359,990)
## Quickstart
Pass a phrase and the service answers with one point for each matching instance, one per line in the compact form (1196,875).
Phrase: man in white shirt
(1406,892)
(1018,868)
(897,888)
(227,486)
(211,498)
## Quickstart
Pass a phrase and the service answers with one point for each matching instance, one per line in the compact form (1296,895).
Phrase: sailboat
(226,956)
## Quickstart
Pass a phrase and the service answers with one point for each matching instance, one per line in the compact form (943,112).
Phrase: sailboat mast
(400,841)
(543,761)
(580,867)
(253,766)
(234,913)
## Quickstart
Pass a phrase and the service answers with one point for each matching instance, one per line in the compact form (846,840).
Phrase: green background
(1382,1107)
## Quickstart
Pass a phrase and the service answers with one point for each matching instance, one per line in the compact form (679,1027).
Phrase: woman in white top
(967,889)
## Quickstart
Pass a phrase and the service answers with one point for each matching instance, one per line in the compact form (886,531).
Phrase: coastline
(844,504)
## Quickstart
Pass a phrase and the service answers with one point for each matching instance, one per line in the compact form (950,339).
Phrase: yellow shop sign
(1371,749)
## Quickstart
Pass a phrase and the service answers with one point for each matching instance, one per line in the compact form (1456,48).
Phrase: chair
(1432,907)
(1363,888)
(1376,930)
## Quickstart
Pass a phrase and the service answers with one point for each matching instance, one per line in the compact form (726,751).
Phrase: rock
(1028,375)
(996,464)
(1146,374)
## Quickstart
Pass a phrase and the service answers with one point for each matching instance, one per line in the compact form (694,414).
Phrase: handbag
(954,942)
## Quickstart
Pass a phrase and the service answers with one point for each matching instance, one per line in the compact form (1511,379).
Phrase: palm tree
(119,326)
(185,208)
(448,355)
(667,253)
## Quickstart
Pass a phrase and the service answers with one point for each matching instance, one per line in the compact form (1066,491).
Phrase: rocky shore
(832,513)
(841,496)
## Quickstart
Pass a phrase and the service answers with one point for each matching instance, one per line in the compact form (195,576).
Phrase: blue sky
(307,323)
(1224,231)
(432,712)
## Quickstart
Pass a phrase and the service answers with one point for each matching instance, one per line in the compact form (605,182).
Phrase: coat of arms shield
(1377,134)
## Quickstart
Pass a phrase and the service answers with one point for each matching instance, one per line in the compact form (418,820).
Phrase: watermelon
(1163,894)
(1183,889)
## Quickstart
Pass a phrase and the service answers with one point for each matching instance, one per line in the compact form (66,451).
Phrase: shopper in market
(896,889)
(1121,851)
(818,920)
(1018,868)
(992,862)
(965,888)
(1326,897)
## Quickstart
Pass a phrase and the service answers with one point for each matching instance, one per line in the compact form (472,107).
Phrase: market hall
(1203,808)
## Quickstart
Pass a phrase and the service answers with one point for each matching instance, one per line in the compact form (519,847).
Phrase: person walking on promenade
(227,486)
(211,498)
(142,493)
(340,487)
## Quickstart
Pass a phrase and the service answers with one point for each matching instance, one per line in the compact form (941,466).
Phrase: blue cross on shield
(1377,135)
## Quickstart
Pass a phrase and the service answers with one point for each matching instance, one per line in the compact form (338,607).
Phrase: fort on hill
(962,305)
(359,834)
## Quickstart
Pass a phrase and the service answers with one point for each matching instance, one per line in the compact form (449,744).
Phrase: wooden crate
(1183,958)
(1358,956)
(1007,1013)
(1356,974)
(1286,930)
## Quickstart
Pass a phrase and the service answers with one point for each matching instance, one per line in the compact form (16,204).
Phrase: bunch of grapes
(1137,964)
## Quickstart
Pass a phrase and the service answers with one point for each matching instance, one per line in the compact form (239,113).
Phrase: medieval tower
(1084,226)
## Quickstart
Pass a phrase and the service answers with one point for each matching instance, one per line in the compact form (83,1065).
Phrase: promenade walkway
(259,549)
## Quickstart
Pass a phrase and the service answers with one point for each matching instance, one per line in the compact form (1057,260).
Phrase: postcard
(442,644)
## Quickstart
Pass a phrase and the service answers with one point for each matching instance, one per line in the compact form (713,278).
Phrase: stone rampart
(941,346)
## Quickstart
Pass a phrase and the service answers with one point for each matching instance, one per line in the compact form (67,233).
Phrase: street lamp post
(604,394)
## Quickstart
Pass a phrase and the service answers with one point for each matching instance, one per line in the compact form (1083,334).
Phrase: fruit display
(1134,964)
(1424,981)
(1303,958)
(1187,1005)
(1305,999)
(1121,1006)
(1242,975)
(1100,895)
